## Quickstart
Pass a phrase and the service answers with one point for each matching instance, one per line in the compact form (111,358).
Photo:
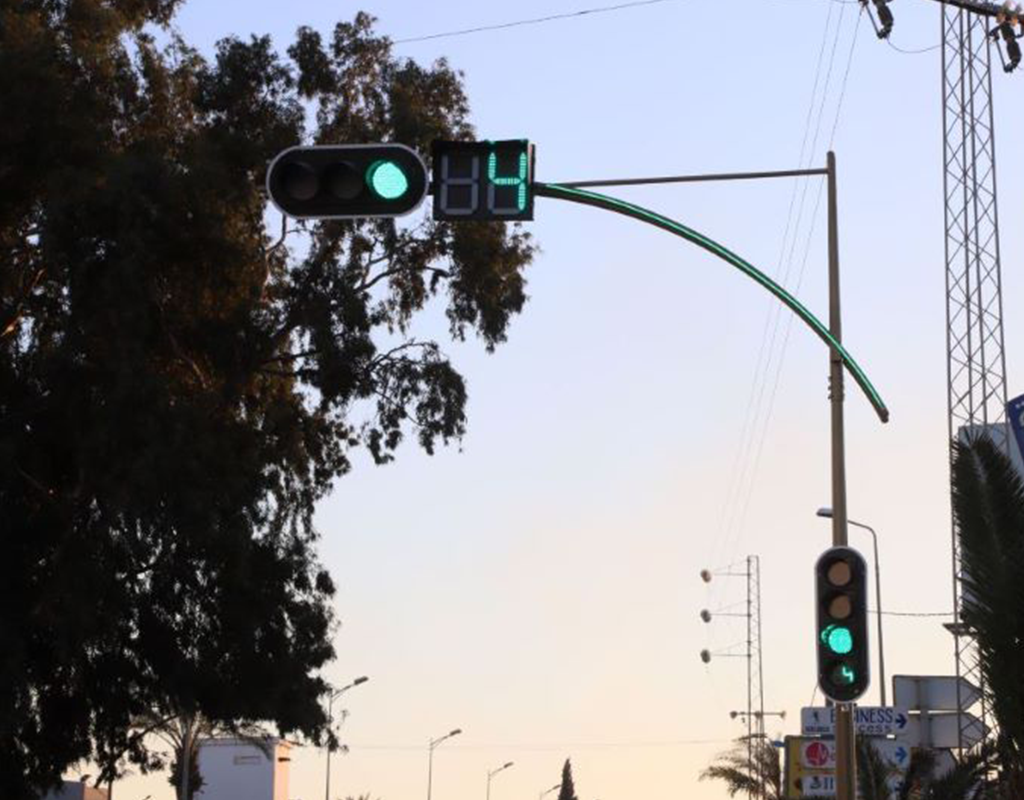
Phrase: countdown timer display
(483,180)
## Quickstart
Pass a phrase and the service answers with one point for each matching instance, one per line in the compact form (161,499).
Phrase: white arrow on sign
(933,692)
(942,731)
(821,753)
(871,720)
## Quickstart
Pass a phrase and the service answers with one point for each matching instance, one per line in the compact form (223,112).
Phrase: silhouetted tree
(567,791)
(178,388)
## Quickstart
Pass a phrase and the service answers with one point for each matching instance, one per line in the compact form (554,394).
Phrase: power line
(533,21)
(914,613)
(546,746)
(912,52)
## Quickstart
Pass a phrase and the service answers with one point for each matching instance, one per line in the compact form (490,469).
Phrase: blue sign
(1015,415)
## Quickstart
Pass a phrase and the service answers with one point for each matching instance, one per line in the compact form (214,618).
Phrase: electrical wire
(803,269)
(546,746)
(913,613)
(755,425)
(913,52)
(533,21)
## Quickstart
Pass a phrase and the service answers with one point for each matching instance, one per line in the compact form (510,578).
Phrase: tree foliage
(743,775)
(988,505)
(567,789)
(177,387)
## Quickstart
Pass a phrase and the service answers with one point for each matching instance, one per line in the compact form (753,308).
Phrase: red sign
(818,754)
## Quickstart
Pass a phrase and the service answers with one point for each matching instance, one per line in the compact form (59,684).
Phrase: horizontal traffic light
(347,181)
(842,628)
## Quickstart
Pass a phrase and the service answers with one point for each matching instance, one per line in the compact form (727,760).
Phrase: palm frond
(988,505)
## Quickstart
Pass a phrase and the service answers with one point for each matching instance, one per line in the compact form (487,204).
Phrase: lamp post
(430,762)
(826,513)
(331,697)
(493,772)
(546,792)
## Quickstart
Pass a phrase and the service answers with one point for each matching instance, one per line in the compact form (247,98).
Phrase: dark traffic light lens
(344,181)
(839,573)
(840,607)
(299,181)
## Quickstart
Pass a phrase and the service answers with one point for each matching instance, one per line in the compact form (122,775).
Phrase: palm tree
(963,782)
(873,772)
(741,775)
(988,506)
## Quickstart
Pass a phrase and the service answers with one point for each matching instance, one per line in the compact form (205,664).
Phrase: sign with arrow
(870,720)
(821,753)
(933,692)
(942,730)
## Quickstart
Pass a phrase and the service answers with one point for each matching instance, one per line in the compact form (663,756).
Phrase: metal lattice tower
(976,362)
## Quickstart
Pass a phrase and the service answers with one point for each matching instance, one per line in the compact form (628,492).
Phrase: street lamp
(546,792)
(492,773)
(430,763)
(331,697)
(826,513)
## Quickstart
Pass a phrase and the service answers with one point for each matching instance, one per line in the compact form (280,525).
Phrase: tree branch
(11,325)
(367,285)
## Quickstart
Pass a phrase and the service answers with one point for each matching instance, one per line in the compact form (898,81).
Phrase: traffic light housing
(842,624)
(347,181)
(483,180)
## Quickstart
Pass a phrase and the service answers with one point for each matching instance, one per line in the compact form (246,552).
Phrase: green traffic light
(387,180)
(838,639)
(844,675)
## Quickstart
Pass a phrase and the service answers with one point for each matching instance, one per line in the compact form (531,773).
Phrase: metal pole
(878,601)
(750,683)
(846,763)
(878,604)
(488,786)
(430,769)
(760,681)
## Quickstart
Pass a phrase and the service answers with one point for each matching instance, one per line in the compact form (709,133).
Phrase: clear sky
(538,586)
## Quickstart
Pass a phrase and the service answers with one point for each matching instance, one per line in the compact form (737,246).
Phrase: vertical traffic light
(842,624)
(345,181)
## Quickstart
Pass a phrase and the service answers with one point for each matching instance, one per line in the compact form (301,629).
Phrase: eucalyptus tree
(179,386)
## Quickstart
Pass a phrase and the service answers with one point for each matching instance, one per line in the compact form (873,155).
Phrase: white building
(234,769)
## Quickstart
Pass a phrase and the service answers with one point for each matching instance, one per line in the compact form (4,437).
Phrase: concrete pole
(846,761)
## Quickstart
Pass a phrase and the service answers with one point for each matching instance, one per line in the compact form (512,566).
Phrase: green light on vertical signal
(387,180)
(845,675)
(838,639)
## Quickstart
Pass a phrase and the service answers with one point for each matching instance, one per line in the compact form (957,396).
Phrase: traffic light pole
(846,766)
(846,761)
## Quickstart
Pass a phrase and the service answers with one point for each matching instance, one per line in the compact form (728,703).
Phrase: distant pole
(330,703)
(430,760)
(846,762)
(492,772)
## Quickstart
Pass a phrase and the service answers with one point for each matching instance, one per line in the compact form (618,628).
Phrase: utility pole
(846,761)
